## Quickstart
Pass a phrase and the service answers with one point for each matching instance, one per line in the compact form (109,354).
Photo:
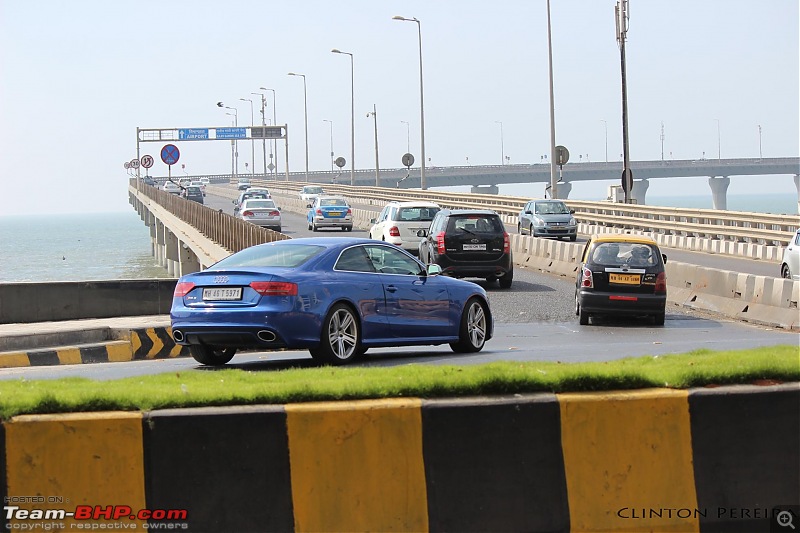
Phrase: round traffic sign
(170,154)
(408,160)
(147,161)
(340,162)
(134,163)
(127,165)
(562,155)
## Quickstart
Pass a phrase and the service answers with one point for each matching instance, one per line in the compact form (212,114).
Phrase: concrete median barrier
(656,459)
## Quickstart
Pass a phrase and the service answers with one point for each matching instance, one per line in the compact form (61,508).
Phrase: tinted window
(388,260)
(271,255)
(332,202)
(476,224)
(262,204)
(551,208)
(632,254)
(354,260)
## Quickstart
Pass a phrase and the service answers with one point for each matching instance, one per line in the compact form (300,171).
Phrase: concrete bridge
(486,178)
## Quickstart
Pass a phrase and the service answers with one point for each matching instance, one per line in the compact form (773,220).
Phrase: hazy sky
(77,78)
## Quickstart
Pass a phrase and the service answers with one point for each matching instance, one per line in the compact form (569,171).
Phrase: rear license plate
(222,293)
(334,213)
(625,279)
(473,247)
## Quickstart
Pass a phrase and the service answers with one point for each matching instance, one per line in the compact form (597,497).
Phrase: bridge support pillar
(639,192)
(719,191)
(485,189)
(797,186)
(159,242)
(187,261)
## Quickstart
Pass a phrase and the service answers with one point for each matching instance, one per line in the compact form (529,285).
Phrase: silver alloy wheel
(476,324)
(342,334)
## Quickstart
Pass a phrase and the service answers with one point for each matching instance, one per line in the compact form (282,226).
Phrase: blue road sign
(231,133)
(189,134)
(170,154)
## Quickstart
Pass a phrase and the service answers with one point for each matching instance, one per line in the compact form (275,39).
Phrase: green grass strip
(240,387)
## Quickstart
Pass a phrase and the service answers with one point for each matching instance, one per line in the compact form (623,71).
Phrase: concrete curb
(644,460)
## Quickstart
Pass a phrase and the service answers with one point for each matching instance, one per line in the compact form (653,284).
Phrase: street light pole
(305,114)
(719,144)
(274,123)
(502,149)
(408,136)
(374,114)
(233,150)
(606,127)
(352,117)
(235,143)
(263,125)
(553,177)
(331,124)
(760,155)
(252,142)
(621,12)
(423,182)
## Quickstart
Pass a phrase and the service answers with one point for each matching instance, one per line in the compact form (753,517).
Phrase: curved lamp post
(305,114)
(423,182)
(352,118)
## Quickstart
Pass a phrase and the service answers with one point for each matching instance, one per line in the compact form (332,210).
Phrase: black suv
(469,243)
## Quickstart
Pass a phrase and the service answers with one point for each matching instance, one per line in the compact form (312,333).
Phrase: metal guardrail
(759,228)
(231,233)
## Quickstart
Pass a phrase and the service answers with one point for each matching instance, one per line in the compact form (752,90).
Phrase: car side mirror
(373,220)
(664,257)
(528,212)
(422,233)
(571,211)
(308,206)
(233,202)
(434,270)
(236,208)
(279,209)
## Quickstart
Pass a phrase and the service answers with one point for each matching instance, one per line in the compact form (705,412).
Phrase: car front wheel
(474,324)
(340,340)
(211,355)
(785,273)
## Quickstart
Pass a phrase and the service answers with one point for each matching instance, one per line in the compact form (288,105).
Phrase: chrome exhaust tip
(266,336)
(177,335)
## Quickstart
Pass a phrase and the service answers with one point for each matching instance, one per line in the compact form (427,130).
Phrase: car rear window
(332,202)
(415,214)
(620,253)
(270,255)
(475,224)
(259,204)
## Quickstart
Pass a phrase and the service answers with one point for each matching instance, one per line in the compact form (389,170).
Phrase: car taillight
(319,212)
(506,243)
(183,288)
(349,211)
(440,243)
(394,231)
(274,288)
(586,278)
(247,213)
(274,213)
(661,283)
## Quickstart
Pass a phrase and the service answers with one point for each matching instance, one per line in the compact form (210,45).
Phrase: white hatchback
(790,264)
(399,223)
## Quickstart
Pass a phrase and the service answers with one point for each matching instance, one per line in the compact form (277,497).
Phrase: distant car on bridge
(548,218)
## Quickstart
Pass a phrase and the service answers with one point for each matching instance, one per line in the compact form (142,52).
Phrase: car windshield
(270,255)
(312,190)
(193,190)
(416,214)
(333,202)
(259,204)
(551,208)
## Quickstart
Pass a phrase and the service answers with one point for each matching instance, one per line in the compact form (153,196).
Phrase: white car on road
(790,264)
(399,223)
(261,212)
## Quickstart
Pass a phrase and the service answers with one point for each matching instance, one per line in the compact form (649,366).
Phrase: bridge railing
(760,228)
(231,233)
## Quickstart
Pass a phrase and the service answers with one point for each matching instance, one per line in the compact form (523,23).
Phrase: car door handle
(391,288)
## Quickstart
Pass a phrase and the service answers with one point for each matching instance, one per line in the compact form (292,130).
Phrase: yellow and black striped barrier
(717,459)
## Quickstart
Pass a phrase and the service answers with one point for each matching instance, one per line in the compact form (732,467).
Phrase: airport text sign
(188,134)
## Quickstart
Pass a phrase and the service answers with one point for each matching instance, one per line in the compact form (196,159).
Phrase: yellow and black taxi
(621,275)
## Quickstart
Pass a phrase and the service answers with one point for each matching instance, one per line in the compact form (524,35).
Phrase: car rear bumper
(478,269)
(614,303)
